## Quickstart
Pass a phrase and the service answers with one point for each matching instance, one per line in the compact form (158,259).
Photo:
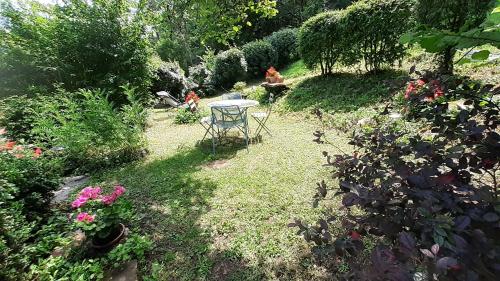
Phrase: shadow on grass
(344,92)
(169,200)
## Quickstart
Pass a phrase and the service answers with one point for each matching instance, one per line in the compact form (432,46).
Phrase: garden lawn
(225,217)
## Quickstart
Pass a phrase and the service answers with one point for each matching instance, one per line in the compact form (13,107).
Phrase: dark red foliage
(435,200)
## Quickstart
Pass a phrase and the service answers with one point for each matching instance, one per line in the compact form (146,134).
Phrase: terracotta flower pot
(110,241)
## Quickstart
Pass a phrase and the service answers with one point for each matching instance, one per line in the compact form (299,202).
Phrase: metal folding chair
(206,123)
(261,118)
(226,118)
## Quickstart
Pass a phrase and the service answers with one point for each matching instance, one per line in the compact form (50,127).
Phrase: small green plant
(258,93)
(186,116)
(134,247)
(239,86)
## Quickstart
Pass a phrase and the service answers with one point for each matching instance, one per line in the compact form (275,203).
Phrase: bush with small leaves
(285,43)
(259,55)
(230,66)
(322,41)
(373,29)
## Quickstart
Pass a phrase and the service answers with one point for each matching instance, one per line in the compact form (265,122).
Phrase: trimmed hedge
(368,30)
(285,43)
(260,55)
(230,67)
(374,28)
(322,41)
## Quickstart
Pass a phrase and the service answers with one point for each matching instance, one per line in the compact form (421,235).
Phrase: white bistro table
(240,103)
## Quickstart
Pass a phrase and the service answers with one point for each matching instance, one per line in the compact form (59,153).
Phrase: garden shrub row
(253,60)
(367,31)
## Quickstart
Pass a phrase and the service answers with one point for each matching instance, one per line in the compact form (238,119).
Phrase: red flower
(18,156)
(421,82)
(38,152)
(410,89)
(192,96)
(3,131)
(355,235)
(438,93)
(10,145)
(429,99)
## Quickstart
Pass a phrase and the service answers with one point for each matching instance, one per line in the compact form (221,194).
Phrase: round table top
(238,102)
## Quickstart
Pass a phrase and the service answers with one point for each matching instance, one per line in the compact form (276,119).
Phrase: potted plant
(100,216)
(273,76)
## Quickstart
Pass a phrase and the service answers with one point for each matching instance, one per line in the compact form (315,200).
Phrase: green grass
(296,69)
(228,223)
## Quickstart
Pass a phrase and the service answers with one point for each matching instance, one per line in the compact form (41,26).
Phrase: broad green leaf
(481,55)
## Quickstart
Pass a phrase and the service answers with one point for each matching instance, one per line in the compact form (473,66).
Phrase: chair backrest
(228,115)
(232,96)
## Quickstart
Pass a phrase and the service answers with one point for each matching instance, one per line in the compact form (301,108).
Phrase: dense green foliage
(17,116)
(230,66)
(259,55)
(373,29)
(80,45)
(367,31)
(90,131)
(446,26)
(285,43)
(322,41)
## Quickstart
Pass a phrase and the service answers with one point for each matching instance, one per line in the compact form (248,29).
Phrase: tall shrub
(230,67)
(322,41)
(285,43)
(79,44)
(259,55)
(373,29)
(91,131)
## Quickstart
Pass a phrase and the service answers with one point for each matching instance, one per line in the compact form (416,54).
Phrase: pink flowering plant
(98,213)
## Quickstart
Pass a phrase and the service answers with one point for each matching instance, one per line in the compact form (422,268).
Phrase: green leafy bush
(239,86)
(372,29)
(92,133)
(230,66)
(186,116)
(101,44)
(322,41)
(285,44)
(258,93)
(259,55)
(134,247)
(170,77)
(17,114)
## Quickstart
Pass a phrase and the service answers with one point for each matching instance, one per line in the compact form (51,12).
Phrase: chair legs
(262,126)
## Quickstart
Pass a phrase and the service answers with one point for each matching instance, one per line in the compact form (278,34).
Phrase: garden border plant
(432,196)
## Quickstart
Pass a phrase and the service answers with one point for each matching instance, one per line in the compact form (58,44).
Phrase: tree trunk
(445,60)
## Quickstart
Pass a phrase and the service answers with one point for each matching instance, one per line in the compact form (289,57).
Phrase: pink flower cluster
(89,193)
(109,199)
(85,217)
(86,194)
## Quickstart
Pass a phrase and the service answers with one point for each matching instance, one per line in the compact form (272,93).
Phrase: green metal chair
(261,118)
(225,118)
